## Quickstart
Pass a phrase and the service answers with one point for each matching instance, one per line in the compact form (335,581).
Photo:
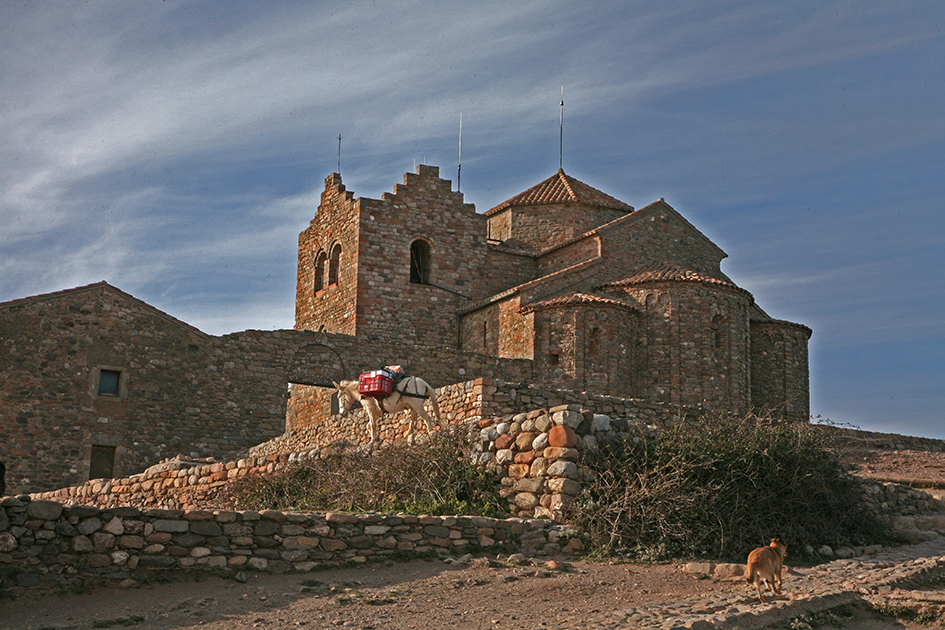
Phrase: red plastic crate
(376,384)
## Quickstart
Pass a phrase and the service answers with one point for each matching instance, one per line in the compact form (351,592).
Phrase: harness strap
(415,394)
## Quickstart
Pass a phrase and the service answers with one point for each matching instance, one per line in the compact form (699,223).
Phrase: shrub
(720,486)
(434,476)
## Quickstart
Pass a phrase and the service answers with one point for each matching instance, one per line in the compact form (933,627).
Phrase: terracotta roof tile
(562,188)
(668,272)
(573,298)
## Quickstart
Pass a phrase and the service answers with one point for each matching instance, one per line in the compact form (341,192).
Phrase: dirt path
(423,595)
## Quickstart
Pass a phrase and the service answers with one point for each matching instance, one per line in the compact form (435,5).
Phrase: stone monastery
(597,295)
(562,286)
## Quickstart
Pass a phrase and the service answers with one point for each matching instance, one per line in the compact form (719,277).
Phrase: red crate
(376,384)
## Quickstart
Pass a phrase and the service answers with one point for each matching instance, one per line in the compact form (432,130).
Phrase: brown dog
(764,565)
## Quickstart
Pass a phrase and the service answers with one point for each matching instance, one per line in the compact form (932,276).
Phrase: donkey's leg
(423,414)
(373,424)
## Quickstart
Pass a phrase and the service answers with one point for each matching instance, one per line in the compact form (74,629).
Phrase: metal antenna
(339,154)
(561,133)
(459,169)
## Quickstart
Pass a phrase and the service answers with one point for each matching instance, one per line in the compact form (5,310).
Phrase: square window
(108,382)
(102,462)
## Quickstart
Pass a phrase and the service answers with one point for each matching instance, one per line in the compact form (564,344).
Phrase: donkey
(408,394)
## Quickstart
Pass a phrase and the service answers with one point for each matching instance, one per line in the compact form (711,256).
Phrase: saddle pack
(380,383)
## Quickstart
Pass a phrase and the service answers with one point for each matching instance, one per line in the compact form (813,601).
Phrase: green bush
(434,476)
(720,486)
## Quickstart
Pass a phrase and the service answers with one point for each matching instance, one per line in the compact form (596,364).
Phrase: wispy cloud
(175,149)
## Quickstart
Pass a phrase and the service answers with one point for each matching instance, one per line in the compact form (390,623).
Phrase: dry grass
(435,476)
(717,487)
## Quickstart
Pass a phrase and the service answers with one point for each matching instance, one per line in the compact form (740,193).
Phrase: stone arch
(316,364)
(718,332)
(334,264)
(320,262)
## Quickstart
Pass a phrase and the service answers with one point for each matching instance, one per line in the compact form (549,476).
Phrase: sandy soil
(425,595)
(897,464)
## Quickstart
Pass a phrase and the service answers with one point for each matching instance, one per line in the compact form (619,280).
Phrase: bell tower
(395,269)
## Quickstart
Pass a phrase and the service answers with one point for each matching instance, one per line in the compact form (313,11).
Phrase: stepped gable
(562,188)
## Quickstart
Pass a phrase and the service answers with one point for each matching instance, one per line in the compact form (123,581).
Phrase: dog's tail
(750,578)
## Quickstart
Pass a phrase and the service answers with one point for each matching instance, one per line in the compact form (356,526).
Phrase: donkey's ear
(337,386)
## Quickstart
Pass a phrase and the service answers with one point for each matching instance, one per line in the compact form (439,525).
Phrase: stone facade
(561,286)
(175,388)
(178,390)
(597,295)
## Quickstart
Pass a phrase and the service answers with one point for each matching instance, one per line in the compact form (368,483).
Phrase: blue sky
(176,150)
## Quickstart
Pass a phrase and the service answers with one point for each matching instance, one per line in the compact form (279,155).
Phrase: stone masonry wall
(334,307)
(780,378)
(375,298)
(533,437)
(46,544)
(181,391)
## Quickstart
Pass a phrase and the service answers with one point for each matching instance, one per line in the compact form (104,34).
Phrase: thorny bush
(434,476)
(720,486)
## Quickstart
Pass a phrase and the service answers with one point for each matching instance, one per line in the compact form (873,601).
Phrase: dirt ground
(421,594)
(897,464)
(425,595)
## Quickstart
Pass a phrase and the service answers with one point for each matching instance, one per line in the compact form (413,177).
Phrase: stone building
(596,295)
(95,383)
(561,286)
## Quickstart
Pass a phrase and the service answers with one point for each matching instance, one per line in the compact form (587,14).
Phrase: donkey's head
(348,397)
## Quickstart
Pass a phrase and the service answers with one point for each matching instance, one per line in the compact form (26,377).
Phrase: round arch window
(420,262)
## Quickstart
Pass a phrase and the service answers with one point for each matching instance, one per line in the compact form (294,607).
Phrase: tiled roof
(562,188)
(573,298)
(668,272)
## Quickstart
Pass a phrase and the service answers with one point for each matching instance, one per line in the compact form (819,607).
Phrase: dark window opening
(333,264)
(420,262)
(553,359)
(320,271)
(716,332)
(335,404)
(593,341)
(102,462)
(108,382)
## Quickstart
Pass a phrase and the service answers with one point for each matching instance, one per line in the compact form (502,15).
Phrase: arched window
(593,341)
(420,262)
(333,263)
(717,332)
(320,271)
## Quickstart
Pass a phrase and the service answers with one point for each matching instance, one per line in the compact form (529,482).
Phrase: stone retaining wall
(538,454)
(43,543)
(474,400)
(533,437)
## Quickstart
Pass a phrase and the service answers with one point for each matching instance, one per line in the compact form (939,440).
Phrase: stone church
(561,286)
(597,295)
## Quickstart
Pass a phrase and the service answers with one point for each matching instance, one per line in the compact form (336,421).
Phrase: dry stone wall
(43,543)
(469,401)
